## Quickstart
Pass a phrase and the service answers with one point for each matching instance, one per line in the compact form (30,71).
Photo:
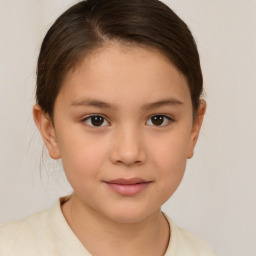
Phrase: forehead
(117,72)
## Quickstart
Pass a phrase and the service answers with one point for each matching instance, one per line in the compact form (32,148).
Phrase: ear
(196,128)
(46,128)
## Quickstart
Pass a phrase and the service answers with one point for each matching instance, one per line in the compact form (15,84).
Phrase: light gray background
(217,198)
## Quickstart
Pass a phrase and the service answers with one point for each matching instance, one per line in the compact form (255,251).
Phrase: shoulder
(24,233)
(183,242)
(44,233)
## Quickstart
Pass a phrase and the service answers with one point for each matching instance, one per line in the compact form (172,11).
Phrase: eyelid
(170,119)
(92,115)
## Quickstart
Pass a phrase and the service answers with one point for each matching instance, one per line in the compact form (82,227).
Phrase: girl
(118,101)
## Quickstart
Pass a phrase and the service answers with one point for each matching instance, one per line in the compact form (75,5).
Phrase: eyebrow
(161,103)
(104,105)
(92,103)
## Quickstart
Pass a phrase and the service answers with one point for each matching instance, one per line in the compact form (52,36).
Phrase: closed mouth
(132,181)
(128,187)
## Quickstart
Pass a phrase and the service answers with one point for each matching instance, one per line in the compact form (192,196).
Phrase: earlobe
(47,131)
(196,128)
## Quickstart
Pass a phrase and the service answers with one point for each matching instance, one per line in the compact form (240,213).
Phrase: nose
(127,147)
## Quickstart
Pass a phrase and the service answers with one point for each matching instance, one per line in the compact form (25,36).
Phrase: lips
(128,187)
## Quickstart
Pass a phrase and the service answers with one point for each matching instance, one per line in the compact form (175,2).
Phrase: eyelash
(94,115)
(169,120)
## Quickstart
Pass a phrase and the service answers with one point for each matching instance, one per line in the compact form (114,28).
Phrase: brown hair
(90,24)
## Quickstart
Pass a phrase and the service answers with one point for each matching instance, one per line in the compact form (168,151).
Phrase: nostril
(127,147)
(128,157)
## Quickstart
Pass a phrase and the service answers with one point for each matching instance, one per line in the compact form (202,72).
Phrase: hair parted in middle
(92,24)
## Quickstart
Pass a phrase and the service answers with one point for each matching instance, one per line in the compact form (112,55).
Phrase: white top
(47,233)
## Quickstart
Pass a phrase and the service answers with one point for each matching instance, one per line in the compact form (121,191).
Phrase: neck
(103,236)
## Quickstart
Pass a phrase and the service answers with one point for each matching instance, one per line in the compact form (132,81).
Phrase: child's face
(124,144)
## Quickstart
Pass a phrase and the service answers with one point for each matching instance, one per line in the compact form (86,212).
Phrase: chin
(128,214)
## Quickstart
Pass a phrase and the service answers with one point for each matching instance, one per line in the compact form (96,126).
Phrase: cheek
(170,159)
(172,151)
(82,157)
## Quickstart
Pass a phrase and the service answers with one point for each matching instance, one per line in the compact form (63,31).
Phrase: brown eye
(159,120)
(96,121)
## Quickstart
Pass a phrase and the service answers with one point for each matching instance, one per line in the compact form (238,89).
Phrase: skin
(127,145)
